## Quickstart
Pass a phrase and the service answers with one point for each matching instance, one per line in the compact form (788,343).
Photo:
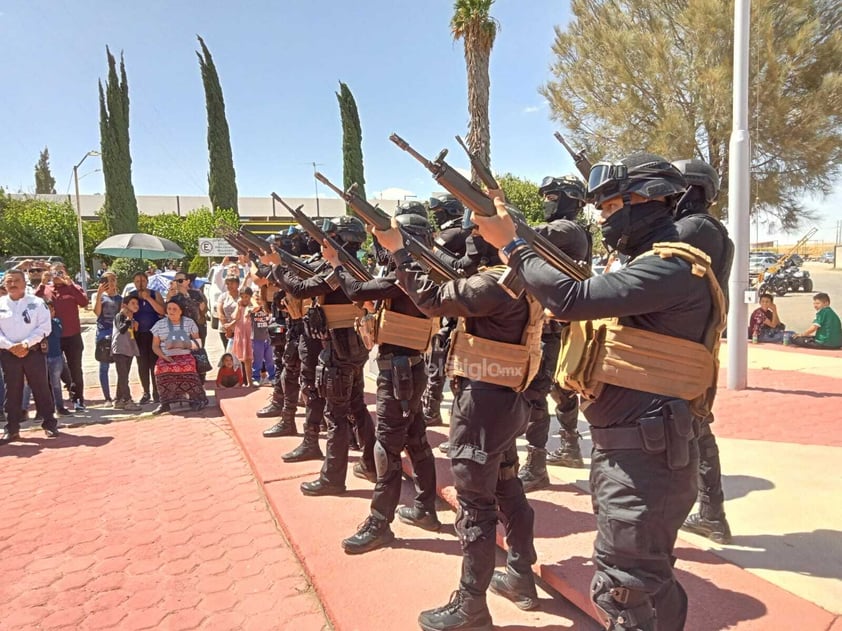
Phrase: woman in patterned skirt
(174,337)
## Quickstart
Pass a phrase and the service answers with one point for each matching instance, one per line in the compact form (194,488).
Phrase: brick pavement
(149,524)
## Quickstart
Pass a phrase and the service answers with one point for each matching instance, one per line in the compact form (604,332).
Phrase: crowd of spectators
(160,332)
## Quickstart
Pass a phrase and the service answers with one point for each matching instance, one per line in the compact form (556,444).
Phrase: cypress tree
(352,141)
(222,180)
(120,209)
(45,183)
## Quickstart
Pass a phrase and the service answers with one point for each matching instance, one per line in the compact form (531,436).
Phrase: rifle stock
(379,219)
(350,261)
(472,197)
(579,158)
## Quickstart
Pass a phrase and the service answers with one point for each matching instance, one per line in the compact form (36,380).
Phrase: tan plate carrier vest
(341,316)
(503,364)
(399,329)
(296,306)
(601,352)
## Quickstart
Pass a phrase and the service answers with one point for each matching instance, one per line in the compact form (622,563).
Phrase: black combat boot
(568,455)
(284,427)
(270,411)
(534,474)
(414,516)
(463,613)
(364,473)
(716,530)
(519,588)
(320,486)
(373,533)
(308,449)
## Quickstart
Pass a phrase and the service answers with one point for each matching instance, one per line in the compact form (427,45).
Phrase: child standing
(261,346)
(242,347)
(55,362)
(123,348)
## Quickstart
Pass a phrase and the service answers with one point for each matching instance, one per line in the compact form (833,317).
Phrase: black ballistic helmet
(411,208)
(446,207)
(645,174)
(571,194)
(348,229)
(417,226)
(700,173)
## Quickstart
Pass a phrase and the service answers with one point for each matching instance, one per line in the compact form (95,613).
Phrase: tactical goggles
(551,185)
(605,179)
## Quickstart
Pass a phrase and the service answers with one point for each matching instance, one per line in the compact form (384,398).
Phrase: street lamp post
(82,272)
(315,164)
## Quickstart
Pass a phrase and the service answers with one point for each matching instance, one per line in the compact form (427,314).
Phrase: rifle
(378,218)
(251,244)
(475,199)
(356,269)
(581,160)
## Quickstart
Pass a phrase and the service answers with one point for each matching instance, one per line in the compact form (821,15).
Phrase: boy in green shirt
(826,330)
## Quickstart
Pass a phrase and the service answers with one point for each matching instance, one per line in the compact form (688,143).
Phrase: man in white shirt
(24,323)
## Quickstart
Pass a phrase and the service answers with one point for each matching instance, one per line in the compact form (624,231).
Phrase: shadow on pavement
(29,445)
(759,551)
(737,486)
(806,393)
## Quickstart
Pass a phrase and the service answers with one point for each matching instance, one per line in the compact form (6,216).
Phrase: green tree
(657,74)
(120,209)
(352,142)
(472,23)
(45,183)
(185,230)
(523,194)
(34,227)
(222,180)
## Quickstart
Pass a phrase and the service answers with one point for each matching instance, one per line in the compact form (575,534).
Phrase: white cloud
(531,109)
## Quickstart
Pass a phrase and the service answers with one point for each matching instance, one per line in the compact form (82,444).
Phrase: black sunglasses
(180,280)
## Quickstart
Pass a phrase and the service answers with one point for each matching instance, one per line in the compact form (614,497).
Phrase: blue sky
(279,63)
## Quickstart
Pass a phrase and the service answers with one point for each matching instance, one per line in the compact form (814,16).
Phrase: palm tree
(472,24)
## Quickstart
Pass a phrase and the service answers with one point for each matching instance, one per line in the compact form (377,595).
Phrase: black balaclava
(630,229)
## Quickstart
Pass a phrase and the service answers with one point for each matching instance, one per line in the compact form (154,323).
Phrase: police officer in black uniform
(564,198)
(300,357)
(280,342)
(645,459)
(339,374)
(485,420)
(447,212)
(699,228)
(400,384)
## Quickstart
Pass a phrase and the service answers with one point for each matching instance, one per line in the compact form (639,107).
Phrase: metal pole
(82,274)
(318,214)
(738,201)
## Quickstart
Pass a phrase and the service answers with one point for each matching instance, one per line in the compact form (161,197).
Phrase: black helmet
(570,192)
(700,173)
(417,226)
(445,207)
(349,229)
(648,175)
(645,174)
(411,207)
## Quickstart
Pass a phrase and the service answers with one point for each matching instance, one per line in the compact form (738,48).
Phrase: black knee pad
(619,607)
(474,525)
(385,461)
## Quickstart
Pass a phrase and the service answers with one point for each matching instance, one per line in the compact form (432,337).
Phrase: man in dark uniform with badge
(24,324)
(700,229)
(563,198)
(339,374)
(489,412)
(401,333)
(644,462)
